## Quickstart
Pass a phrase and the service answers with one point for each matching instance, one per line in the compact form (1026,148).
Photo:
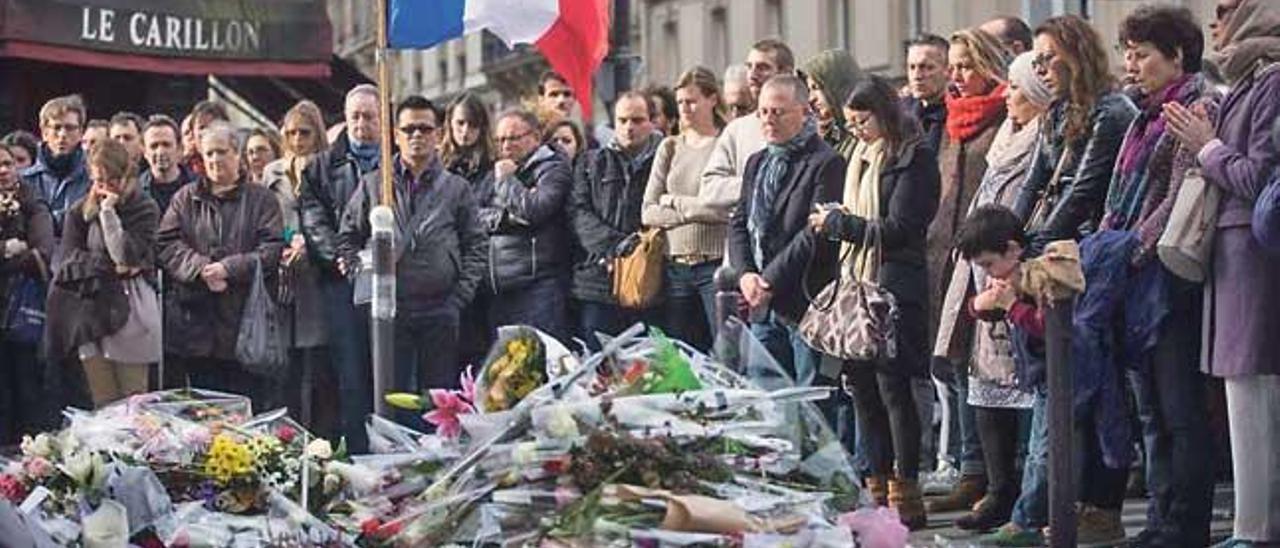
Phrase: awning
(273,96)
(281,38)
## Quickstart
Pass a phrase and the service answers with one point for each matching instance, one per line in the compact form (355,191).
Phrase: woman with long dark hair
(466,149)
(890,196)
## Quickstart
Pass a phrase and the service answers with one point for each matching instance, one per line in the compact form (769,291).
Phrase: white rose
(561,424)
(524,453)
(86,468)
(39,446)
(320,449)
(362,480)
(331,483)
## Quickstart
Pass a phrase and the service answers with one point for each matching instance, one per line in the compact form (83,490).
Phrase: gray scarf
(769,178)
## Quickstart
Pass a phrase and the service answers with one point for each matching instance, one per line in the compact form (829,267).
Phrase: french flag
(572,34)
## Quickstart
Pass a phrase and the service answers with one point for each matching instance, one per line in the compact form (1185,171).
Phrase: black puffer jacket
(1078,199)
(327,185)
(527,221)
(608,192)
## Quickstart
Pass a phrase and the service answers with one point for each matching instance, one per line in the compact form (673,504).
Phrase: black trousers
(229,376)
(887,412)
(426,356)
(22,409)
(998,430)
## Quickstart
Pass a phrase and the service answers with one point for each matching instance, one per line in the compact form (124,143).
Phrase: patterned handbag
(852,319)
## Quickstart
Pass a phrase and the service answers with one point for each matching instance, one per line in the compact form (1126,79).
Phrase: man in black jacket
(165,174)
(523,208)
(328,184)
(439,249)
(608,190)
(926,91)
(769,242)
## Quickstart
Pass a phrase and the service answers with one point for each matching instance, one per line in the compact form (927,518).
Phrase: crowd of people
(135,241)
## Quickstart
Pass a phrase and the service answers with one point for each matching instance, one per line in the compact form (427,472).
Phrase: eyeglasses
(1042,61)
(410,129)
(739,110)
(511,138)
(765,112)
(861,122)
(56,127)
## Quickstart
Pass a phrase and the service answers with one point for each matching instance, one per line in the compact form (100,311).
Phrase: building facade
(670,36)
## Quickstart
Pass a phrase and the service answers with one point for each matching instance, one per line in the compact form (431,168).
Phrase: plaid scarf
(769,179)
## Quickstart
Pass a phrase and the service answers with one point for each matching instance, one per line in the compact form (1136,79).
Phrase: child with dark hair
(994,240)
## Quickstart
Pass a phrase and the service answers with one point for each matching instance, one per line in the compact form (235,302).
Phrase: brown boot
(905,497)
(878,486)
(968,491)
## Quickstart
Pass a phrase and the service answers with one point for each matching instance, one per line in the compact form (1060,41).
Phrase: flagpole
(382,220)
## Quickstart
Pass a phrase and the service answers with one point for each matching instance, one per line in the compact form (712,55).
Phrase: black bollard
(1062,481)
(727,297)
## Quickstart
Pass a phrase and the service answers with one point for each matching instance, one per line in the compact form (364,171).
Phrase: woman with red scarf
(975,110)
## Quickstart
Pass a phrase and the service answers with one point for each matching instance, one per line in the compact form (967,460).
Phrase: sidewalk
(942,532)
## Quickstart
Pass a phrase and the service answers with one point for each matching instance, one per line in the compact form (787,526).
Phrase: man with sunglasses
(439,250)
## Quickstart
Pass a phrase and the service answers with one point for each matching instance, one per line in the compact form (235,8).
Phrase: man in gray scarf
(768,241)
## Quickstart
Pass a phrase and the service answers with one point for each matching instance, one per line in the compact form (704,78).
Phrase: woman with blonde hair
(673,201)
(975,110)
(103,309)
(299,290)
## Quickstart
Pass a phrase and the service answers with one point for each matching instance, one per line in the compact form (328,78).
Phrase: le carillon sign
(278,37)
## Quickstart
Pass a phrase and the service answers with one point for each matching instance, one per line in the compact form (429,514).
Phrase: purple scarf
(1149,126)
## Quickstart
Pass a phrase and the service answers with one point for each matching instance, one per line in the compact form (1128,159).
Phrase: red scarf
(969,116)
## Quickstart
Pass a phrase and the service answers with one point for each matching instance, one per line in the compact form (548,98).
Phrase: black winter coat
(328,183)
(608,193)
(87,300)
(439,242)
(527,220)
(909,188)
(24,216)
(199,229)
(794,256)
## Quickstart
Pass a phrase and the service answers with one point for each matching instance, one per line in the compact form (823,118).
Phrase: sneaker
(940,481)
(1012,535)
(1099,527)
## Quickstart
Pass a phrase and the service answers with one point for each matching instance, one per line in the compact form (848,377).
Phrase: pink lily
(468,382)
(448,406)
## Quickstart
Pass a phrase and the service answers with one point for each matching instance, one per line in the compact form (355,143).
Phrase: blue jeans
(349,360)
(1032,509)
(689,311)
(964,449)
(782,339)
(543,304)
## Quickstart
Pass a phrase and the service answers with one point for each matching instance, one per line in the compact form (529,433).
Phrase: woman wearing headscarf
(831,75)
(993,392)
(975,110)
(299,289)
(108,246)
(1242,305)
(890,195)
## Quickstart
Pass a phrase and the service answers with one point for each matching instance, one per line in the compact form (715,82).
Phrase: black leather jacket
(527,220)
(327,185)
(1076,202)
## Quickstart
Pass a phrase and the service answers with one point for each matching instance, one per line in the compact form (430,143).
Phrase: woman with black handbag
(890,197)
(26,239)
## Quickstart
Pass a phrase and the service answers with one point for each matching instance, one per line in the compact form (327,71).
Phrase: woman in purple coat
(1242,306)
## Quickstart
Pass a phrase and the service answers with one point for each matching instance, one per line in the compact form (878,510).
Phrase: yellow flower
(228,460)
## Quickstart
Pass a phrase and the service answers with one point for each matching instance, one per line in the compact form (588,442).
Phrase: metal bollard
(727,297)
(383,308)
(1062,486)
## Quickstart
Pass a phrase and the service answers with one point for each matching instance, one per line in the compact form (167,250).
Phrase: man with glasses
(722,177)
(60,176)
(768,237)
(737,98)
(327,185)
(523,207)
(439,250)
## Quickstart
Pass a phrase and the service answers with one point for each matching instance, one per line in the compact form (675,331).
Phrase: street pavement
(942,532)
